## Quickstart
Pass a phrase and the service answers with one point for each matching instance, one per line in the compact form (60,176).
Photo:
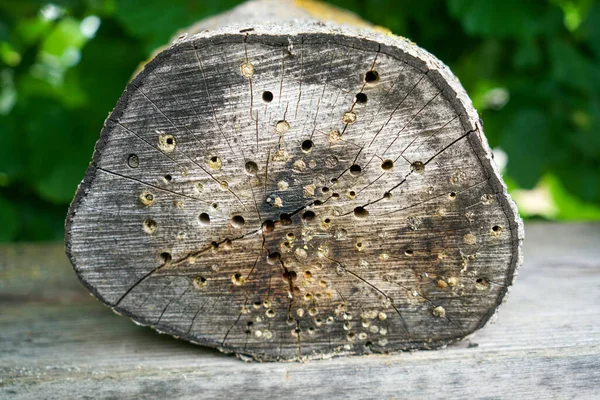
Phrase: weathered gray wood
(57,342)
(294,191)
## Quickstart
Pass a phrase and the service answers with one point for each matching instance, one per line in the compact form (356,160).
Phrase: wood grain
(296,191)
(58,342)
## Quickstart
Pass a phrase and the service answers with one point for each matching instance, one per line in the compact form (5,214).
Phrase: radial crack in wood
(296,190)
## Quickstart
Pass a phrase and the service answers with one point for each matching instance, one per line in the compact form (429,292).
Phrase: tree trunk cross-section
(296,190)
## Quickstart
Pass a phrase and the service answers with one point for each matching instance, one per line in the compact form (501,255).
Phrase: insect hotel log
(286,182)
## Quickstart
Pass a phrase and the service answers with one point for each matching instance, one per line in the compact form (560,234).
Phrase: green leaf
(156,21)
(499,18)
(56,145)
(13,154)
(10,222)
(527,143)
(572,68)
(569,206)
(590,30)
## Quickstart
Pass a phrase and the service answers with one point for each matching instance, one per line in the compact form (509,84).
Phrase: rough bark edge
(366,40)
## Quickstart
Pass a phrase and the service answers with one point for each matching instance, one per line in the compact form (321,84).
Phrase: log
(283,187)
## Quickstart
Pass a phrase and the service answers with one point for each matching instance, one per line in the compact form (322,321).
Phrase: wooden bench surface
(56,341)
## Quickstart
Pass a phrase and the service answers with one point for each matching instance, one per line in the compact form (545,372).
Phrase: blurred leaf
(571,68)
(590,30)
(13,152)
(30,30)
(10,222)
(65,35)
(155,22)
(108,62)
(499,18)
(569,207)
(526,142)
(54,142)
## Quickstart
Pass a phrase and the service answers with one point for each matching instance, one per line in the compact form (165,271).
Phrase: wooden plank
(58,342)
(295,191)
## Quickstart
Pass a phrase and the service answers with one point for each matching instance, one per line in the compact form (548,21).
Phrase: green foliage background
(532,68)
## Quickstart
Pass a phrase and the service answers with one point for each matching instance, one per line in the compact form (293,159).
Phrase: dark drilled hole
(285,219)
(251,168)
(267,96)
(268,226)
(165,257)
(204,219)
(307,146)
(237,221)
(355,170)
(361,212)
(371,77)
(308,216)
(386,165)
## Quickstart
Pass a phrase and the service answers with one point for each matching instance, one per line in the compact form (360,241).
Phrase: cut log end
(296,195)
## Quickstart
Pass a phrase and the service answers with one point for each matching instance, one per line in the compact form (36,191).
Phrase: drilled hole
(371,77)
(237,221)
(352,194)
(361,98)
(215,163)
(150,226)
(199,282)
(418,166)
(168,178)
(452,195)
(204,219)
(318,203)
(238,279)
(308,216)
(361,212)
(289,275)
(335,195)
(387,196)
(327,220)
(251,168)
(387,165)
(355,170)
(497,228)
(133,161)
(307,146)
(273,258)
(166,143)
(325,189)
(408,252)
(282,126)
(267,96)
(147,198)
(482,284)
(268,226)
(165,257)
(285,219)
